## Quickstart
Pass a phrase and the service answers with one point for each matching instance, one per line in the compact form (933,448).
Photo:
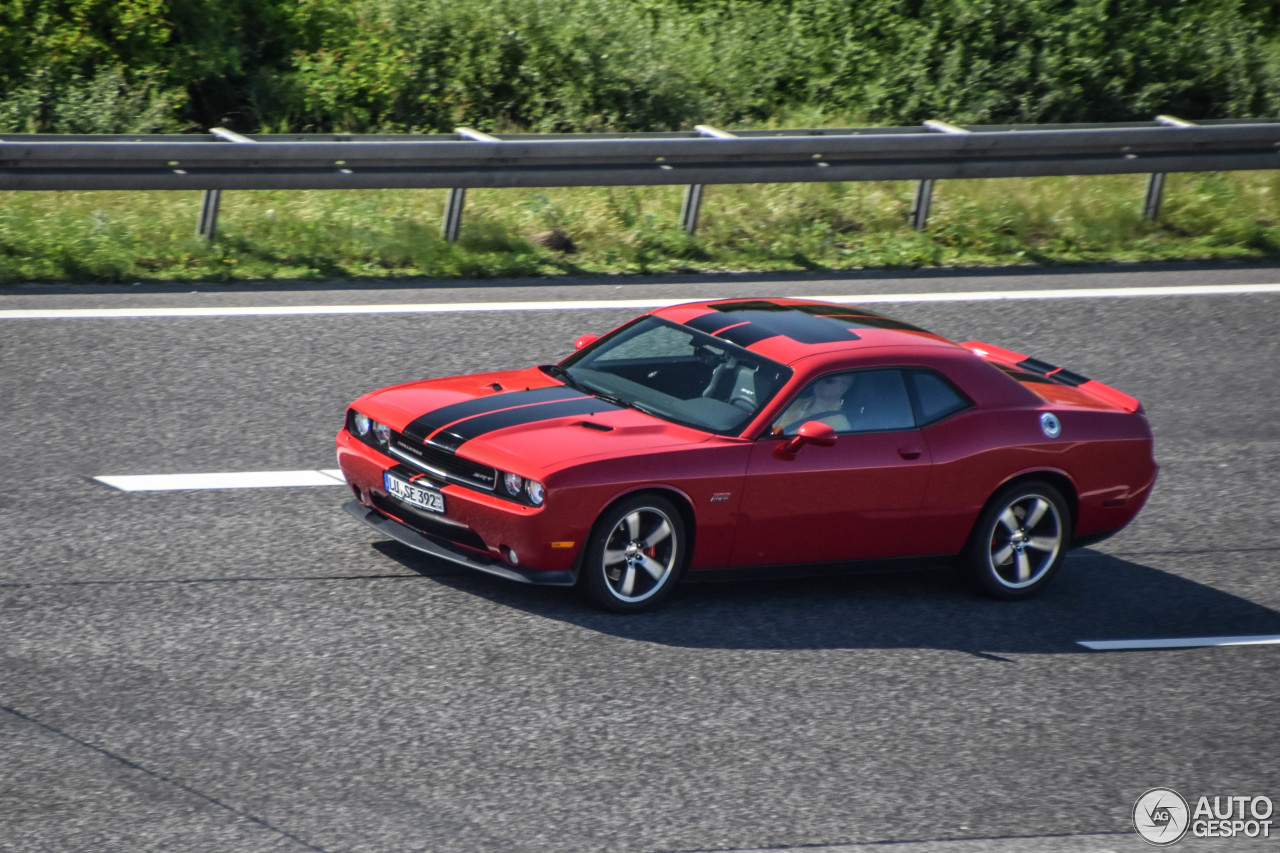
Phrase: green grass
(264,235)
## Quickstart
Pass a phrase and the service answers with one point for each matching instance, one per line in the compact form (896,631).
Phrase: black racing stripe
(419,429)
(454,437)
(710,323)
(1024,377)
(859,317)
(750,321)
(735,330)
(1035,365)
(747,334)
(850,316)
(1068,377)
(804,323)
(875,321)
(798,325)
(751,305)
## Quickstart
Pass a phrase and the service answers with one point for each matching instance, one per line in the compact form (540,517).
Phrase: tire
(1019,540)
(635,555)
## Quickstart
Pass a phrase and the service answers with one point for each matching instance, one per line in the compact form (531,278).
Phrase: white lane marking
(1181,642)
(645,304)
(233,480)
(1062,293)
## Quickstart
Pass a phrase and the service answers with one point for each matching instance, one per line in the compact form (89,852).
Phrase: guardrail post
(453,214)
(920,206)
(209,202)
(691,207)
(924,189)
(457,200)
(1155,196)
(1155,181)
(208,225)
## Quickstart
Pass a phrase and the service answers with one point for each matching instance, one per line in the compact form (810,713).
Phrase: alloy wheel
(640,554)
(1025,541)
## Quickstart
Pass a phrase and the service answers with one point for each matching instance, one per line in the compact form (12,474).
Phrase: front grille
(443,464)
(425,522)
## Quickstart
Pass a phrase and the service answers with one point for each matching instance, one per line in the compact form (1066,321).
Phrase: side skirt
(806,570)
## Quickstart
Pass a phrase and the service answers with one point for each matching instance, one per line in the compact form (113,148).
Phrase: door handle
(909,452)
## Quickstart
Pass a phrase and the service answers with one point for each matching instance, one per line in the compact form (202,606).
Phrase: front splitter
(405,535)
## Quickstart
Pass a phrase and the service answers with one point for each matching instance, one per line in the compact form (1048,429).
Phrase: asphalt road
(251,670)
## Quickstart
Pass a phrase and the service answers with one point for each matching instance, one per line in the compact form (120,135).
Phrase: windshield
(677,373)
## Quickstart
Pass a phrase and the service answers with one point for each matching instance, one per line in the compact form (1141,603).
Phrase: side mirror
(811,432)
(585,341)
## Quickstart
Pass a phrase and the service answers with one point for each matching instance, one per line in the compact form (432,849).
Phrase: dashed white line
(231,480)
(333,477)
(1180,643)
(633,304)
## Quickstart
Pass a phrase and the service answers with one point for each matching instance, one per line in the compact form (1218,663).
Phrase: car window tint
(679,374)
(649,342)
(935,396)
(878,401)
(850,401)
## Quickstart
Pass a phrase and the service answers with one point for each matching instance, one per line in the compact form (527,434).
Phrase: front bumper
(480,530)
(443,551)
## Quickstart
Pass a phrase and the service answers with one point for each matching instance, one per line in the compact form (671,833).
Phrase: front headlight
(513,484)
(535,492)
(368,430)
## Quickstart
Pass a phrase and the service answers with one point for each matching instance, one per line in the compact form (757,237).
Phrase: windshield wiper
(565,377)
(609,398)
(626,404)
(639,407)
(578,385)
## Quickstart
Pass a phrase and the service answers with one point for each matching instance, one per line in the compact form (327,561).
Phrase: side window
(935,397)
(878,402)
(851,401)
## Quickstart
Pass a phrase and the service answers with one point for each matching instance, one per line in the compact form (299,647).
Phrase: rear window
(935,397)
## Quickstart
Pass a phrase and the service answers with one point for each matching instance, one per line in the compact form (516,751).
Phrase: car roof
(787,330)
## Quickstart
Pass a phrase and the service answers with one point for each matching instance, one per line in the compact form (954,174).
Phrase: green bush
(143,65)
(986,61)
(543,65)
(626,65)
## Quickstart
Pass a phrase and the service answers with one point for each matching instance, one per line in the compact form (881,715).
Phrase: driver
(821,401)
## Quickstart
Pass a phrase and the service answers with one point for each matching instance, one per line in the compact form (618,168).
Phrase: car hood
(521,420)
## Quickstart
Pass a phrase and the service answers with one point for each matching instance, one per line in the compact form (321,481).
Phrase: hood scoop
(594,426)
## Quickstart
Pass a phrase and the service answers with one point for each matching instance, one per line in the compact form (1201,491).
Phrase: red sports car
(751,435)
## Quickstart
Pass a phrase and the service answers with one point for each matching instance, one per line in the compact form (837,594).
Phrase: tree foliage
(593,65)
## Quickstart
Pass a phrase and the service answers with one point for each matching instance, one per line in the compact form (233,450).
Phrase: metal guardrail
(468,159)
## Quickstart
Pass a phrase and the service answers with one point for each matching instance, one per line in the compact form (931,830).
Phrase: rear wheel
(635,555)
(1019,540)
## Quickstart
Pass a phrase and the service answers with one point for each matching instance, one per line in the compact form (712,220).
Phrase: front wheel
(635,555)
(1019,540)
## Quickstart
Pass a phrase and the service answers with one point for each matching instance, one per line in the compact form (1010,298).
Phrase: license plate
(413,495)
